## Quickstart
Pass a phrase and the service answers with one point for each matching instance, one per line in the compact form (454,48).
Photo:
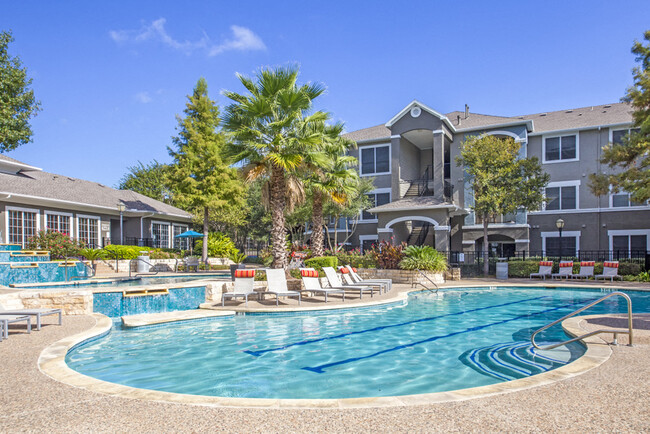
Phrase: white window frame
(363,238)
(15,208)
(544,138)
(565,234)
(628,232)
(99,227)
(390,159)
(169,228)
(611,132)
(64,214)
(179,225)
(629,200)
(375,192)
(561,184)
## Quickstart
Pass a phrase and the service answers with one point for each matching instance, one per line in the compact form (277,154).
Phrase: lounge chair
(347,279)
(7,319)
(335,282)
(38,313)
(276,281)
(192,262)
(566,270)
(387,283)
(545,269)
(244,286)
(312,283)
(586,270)
(610,271)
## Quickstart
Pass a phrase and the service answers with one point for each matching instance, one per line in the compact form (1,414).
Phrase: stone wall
(71,302)
(401,276)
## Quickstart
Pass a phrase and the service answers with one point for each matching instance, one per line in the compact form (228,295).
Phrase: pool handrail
(415,283)
(595,332)
(148,263)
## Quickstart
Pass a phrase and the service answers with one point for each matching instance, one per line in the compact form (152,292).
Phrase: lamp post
(559,224)
(121,208)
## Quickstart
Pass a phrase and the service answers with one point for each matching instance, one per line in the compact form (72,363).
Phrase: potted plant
(238,258)
(91,255)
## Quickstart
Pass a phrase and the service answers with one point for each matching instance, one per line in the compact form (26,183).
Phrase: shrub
(322,261)
(386,255)
(92,254)
(356,259)
(117,251)
(237,257)
(219,245)
(423,258)
(59,245)
(522,268)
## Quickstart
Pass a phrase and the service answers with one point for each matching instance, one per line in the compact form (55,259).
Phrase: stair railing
(595,332)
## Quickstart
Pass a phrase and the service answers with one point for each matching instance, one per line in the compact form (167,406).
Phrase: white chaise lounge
(387,284)
(244,286)
(545,270)
(586,270)
(610,271)
(276,280)
(566,270)
(7,319)
(312,284)
(38,313)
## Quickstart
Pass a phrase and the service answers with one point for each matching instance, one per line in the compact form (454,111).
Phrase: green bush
(423,258)
(629,269)
(59,245)
(92,254)
(356,259)
(522,268)
(219,245)
(116,251)
(322,261)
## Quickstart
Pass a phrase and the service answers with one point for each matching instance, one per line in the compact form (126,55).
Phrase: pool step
(514,360)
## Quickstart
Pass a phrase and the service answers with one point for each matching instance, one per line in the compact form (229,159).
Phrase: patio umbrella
(189,234)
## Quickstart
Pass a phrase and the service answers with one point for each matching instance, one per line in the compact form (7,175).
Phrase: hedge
(322,261)
(525,268)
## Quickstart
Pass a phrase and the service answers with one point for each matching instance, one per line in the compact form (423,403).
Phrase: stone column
(439,165)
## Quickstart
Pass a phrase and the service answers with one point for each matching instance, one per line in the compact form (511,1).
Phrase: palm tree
(268,127)
(331,178)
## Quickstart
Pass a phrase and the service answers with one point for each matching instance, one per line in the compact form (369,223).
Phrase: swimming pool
(459,339)
(135,281)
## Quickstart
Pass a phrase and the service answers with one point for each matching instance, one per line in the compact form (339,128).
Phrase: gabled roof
(416,103)
(8,164)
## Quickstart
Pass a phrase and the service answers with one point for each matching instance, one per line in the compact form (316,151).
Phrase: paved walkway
(613,397)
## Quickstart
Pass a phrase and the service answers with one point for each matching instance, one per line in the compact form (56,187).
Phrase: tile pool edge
(52,363)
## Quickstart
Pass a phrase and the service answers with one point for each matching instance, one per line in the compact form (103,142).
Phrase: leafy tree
(350,211)
(633,155)
(502,182)
(270,127)
(330,178)
(202,178)
(17,102)
(149,180)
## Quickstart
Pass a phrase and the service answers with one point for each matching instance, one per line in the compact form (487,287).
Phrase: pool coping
(52,363)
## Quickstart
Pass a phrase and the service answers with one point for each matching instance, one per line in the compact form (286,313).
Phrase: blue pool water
(458,339)
(115,305)
(137,281)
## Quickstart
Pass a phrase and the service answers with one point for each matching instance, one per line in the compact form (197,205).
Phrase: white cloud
(143,97)
(243,39)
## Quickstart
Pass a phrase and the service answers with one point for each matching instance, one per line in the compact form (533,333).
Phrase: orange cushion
(244,273)
(587,264)
(309,273)
(345,270)
(354,269)
(546,264)
(566,264)
(610,264)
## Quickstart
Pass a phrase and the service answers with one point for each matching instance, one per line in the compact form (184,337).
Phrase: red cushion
(244,273)
(566,264)
(354,269)
(546,264)
(610,264)
(587,264)
(309,273)
(345,270)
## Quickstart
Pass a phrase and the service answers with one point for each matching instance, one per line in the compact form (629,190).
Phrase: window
(377,199)
(367,242)
(618,135)
(88,228)
(375,160)
(561,197)
(160,234)
(565,246)
(58,222)
(181,243)
(21,225)
(629,242)
(563,148)
(619,200)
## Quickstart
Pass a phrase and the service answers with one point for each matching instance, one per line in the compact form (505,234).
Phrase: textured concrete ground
(615,397)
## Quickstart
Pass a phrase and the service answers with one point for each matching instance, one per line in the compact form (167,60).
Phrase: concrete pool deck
(613,396)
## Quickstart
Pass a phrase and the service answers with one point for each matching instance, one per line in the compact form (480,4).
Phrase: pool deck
(612,397)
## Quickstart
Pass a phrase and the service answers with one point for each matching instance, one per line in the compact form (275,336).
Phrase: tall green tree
(502,182)
(201,175)
(633,155)
(149,180)
(17,102)
(269,125)
(330,178)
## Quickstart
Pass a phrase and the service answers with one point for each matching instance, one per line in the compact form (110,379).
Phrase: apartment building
(421,196)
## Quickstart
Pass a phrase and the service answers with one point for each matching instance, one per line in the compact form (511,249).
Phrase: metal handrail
(414,283)
(142,274)
(595,332)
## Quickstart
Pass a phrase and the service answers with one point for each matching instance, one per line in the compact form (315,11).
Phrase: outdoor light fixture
(559,224)
(121,208)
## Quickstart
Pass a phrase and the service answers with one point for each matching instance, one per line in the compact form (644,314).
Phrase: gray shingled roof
(51,186)
(606,114)
(416,202)
(11,160)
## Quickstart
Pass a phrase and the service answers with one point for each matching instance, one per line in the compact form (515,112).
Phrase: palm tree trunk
(206,219)
(486,246)
(317,225)
(277,203)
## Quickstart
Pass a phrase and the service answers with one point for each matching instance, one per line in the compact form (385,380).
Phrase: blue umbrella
(189,234)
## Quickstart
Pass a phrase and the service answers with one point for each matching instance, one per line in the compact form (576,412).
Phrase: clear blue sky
(111,76)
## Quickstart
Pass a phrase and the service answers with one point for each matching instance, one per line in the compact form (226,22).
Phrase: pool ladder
(415,283)
(595,332)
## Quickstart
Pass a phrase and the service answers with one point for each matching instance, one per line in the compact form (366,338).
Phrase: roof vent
(607,106)
(569,111)
(543,114)
(579,114)
(466,111)
(521,117)
(458,118)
